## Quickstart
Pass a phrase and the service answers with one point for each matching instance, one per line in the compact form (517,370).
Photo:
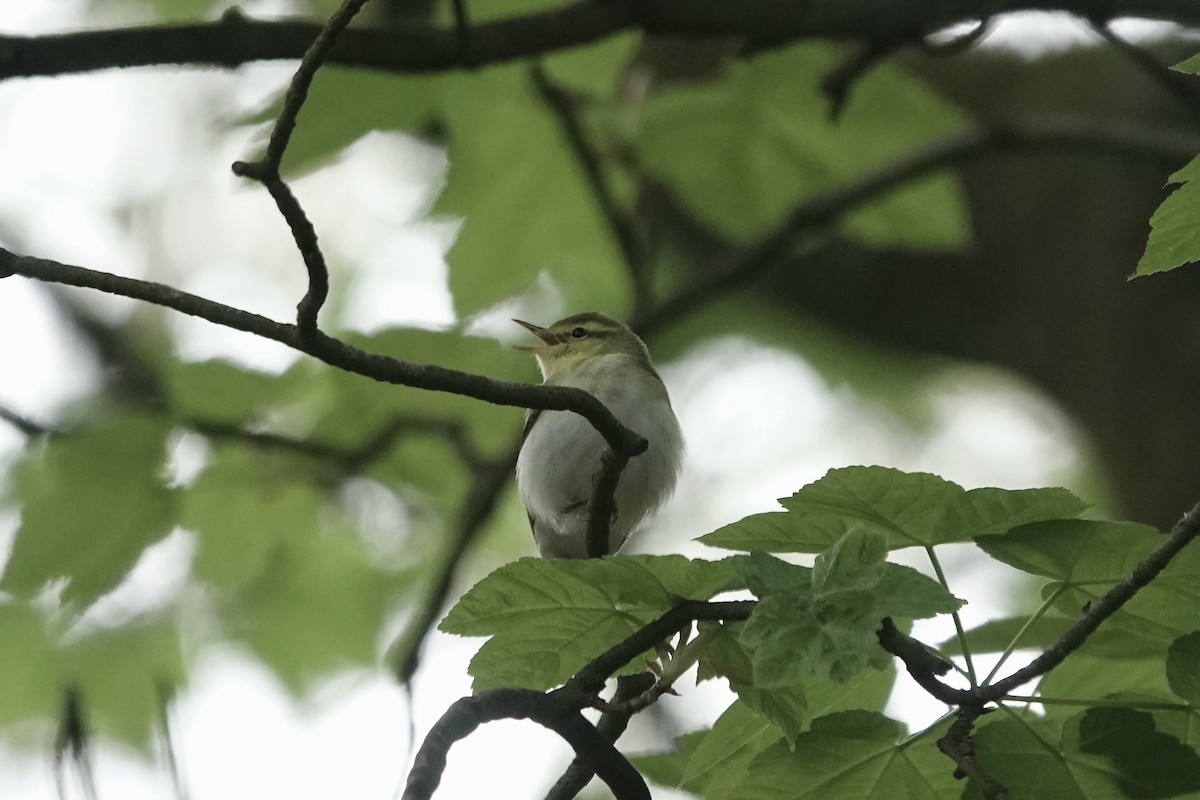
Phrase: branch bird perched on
(560,450)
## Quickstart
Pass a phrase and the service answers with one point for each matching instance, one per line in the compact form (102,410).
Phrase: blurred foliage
(283,561)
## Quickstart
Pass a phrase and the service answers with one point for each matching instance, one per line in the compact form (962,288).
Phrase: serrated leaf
(850,756)
(654,581)
(552,620)
(721,758)
(764,574)
(91,503)
(1099,753)
(1183,668)
(826,627)
(855,561)
(911,509)
(1174,238)
(906,593)
(1085,557)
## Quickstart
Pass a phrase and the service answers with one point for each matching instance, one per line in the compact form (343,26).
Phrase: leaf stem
(958,626)
(1012,645)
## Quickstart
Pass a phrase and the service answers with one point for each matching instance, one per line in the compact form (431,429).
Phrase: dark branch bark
(551,711)
(266,170)
(335,352)
(236,40)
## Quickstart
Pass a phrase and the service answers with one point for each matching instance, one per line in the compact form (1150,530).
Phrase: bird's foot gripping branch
(810,657)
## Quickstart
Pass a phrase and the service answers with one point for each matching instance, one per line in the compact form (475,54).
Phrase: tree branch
(266,170)
(24,424)
(611,725)
(1187,529)
(818,213)
(335,352)
(924,666)
(235,40)
(549,710)
(620,223)
(959,745)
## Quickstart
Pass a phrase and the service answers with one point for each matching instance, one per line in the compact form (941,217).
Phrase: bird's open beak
(548,338)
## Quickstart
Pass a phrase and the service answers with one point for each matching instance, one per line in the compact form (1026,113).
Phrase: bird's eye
(579,333)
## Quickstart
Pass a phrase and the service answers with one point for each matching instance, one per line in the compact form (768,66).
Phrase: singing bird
(560,450)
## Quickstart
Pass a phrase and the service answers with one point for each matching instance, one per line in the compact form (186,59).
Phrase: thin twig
(959,745)
(24,424)
(353,458)
(603,506)
(620,223)
(266,170)
(1182,87)
(611,725)
(421,48)
(549,710)
(337,353)
(1187,529)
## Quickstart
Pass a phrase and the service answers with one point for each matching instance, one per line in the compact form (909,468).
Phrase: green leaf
(744,149)
(1101,752)
(122,675)
(301,638)
(996,635)
(344,104)
(854,562)
(910,508)
(1189,65)
(666,769)
(1073,551)
(908,594)
(764,574)
(219,392)
(525,202)
(1183,667)
(30,688)
(351,410)
(1086,557)
(826,627)
(549,618)
(1149,763)
(244,507)
(656,581)
(91,503)
(1174,236)
(720,760)
(850,756)
(545,623)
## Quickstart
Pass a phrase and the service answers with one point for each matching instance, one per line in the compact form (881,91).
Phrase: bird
(560,450)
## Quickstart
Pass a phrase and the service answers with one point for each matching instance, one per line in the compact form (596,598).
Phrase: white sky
(239,734)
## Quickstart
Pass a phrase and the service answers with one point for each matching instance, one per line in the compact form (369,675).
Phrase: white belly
(561,458)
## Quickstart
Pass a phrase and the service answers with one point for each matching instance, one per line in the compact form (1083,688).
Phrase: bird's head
(573,342)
